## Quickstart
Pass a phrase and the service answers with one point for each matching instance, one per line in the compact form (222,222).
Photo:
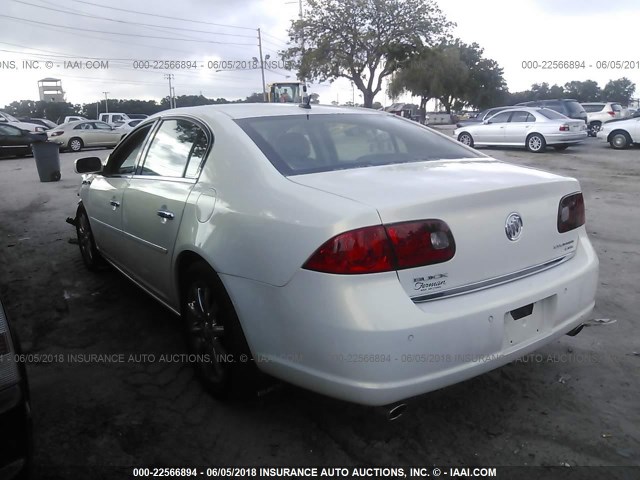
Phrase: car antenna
(306,99)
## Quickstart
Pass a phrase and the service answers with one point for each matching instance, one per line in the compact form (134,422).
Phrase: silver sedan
(533,128)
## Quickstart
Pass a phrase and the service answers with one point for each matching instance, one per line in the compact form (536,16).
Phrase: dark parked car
(15,410)
(566,106)
(15,141)
(481,117)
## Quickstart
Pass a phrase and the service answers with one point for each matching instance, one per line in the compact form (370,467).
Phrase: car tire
(90,255)
(466,139)
(560,148)
(224,363)
(75,144)
(619,140)
(594,128)
(536,143)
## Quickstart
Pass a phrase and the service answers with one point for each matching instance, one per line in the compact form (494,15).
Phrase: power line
(110,7)
(285,43)
(113,40)
(123,34)
(69,12)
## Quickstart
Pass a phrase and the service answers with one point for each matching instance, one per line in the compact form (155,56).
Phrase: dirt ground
(576,403)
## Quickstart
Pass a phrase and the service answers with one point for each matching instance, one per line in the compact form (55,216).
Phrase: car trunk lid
(475,197)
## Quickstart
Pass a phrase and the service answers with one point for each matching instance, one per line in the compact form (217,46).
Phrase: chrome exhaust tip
(396,411)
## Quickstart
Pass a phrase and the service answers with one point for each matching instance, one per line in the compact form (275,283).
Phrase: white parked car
(621,134)
(599,113)
(531,127)
(6,119)
(129,125)
(351,252)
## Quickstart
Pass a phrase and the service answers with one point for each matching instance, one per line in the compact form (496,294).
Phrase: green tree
(587,91)
(364,41)
(455,73)
(620,90)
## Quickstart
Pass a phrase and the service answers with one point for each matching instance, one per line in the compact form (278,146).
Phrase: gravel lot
(576,403)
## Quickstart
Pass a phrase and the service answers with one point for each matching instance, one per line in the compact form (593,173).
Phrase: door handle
(114,204)
(166,214)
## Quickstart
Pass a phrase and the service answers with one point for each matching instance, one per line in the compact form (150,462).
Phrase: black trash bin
(47,156)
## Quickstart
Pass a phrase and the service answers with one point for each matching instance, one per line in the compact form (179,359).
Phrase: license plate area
(525,322)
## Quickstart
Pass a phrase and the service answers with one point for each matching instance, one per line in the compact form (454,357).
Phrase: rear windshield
(616,107)
(593,108)
(299,144)
(574,107)
(551,114)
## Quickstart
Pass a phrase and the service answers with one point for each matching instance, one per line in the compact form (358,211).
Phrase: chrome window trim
(493,282)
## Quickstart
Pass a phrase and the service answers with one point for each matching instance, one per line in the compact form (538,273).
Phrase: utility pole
(264,85)
(106,104)
(169,76)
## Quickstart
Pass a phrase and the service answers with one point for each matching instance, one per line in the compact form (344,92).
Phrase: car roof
(248,110)
(522,108)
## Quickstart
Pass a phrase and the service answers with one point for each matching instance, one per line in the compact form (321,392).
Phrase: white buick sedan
(351,252)
(530,127)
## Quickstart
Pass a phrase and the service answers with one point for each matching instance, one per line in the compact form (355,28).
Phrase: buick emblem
(513,227)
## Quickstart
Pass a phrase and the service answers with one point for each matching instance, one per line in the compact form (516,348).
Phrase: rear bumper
(563,138)
(362,339)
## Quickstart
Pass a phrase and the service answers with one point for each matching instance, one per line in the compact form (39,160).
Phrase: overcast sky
(55,30)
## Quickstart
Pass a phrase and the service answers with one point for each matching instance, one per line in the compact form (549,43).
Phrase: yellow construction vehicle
(286,92)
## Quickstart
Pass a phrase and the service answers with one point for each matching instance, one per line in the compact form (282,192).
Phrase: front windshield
(11,118)
(299,144)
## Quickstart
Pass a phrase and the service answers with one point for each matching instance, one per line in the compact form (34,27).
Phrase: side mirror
(486,122)
(88,165)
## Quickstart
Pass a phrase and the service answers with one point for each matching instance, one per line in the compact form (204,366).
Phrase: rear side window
(520,117)
(177,150)
(593,107)
(299,144)
(573,107)
(551,114)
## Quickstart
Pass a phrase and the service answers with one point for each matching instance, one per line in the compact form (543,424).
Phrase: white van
(114,119)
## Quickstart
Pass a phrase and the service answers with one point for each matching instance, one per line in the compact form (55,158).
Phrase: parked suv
(601,112)
(566,106)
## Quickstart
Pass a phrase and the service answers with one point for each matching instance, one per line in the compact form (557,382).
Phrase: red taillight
(564,128)
(385,248)
(613,114)
(421,243)
(366,250)
(571,212)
